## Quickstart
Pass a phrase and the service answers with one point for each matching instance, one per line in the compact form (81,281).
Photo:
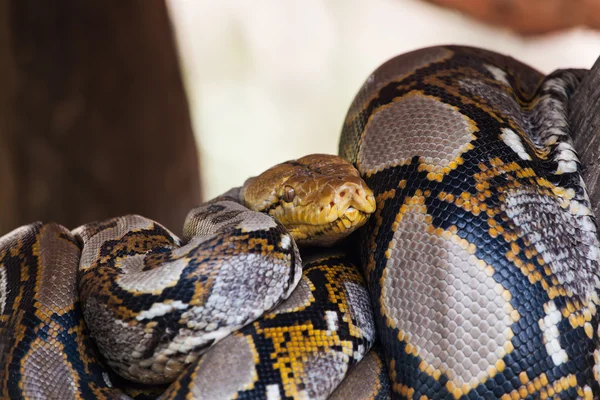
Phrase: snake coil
(481,262)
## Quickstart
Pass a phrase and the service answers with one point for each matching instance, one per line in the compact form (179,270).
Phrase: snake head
(319,198)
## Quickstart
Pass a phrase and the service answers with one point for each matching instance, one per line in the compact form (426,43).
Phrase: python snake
(481,261)
(154,303)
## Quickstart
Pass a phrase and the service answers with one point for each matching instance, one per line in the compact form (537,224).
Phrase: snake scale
(482,256)
(480,259)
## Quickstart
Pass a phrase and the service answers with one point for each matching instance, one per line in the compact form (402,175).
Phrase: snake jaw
(351,213)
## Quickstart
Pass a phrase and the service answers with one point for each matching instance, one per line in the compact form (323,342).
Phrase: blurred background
(269,81)
(104,105)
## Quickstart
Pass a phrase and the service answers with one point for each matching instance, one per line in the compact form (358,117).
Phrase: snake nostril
(342,194)
(332,204)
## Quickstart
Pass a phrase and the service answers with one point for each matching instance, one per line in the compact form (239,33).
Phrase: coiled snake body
(481,261)
(482,256)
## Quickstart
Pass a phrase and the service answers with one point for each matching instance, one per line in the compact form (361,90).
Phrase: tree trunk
(95,121)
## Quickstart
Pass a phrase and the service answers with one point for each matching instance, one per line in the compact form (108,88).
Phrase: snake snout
(352,200)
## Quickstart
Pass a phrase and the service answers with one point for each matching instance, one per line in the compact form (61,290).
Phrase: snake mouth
(331,228)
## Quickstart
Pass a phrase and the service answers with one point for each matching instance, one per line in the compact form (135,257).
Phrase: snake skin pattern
(367,381)
(45,347)
(482,256)
(147,297)
(154,305)
(300,350)
(481,261)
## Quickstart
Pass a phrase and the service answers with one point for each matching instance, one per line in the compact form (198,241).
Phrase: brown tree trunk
(94,120)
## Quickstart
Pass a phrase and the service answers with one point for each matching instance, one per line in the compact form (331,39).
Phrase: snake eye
(288,194)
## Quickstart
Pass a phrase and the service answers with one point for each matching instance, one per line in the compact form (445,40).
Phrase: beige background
(271,80)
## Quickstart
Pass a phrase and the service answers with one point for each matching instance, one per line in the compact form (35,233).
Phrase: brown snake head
(319,198)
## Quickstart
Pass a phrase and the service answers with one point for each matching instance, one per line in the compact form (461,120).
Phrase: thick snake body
(482,256)
(146,296)
(300,350)
(154,305)
(45,347)
(481,262)
(368,380)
